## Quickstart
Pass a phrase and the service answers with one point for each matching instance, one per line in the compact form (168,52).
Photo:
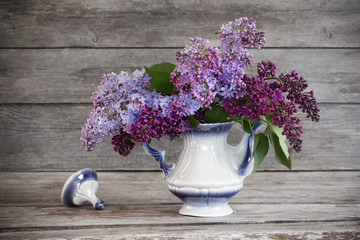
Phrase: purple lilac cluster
(152,125)
(268,95)
(128,108)
(234,38)
(242,32)
(295,85)
(196,71)
(125,108)
(211,74)
(122,143)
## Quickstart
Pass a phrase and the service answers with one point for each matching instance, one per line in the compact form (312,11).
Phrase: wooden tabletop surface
(275,205)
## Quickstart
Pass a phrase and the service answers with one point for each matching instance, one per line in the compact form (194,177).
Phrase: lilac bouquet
(207,85)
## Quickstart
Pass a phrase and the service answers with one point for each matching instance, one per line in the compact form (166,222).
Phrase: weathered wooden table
(52,56)
(272,205)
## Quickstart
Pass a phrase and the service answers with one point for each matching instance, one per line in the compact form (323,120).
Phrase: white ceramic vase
(209,171)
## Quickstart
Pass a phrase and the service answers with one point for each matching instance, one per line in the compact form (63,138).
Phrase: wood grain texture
(124,215)
(40,189)
(71,75)
(142,200)
(270,231)
(46,137)
(171,23)
(272,205)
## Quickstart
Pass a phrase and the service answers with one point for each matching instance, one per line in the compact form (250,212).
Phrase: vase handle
(160,158)
(247,163)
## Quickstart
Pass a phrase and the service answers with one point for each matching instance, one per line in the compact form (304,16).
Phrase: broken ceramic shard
(80,188)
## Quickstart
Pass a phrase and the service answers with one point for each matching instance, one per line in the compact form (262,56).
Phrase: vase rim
(225,126)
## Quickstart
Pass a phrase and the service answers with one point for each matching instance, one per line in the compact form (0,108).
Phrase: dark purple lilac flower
(267,94)
(295,86)
(152,125)
(123,143)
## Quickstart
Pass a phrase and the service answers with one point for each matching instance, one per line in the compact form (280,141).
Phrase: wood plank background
(168,23)
(53,53)
(52,56)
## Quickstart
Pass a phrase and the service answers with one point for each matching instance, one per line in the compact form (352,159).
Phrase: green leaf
(193,121)
(281,152)
(269,117)
(215,115)
(237,119)
(278,141)
(268,130)
(245,124)
(261,148)
(160,77)
(256,140)
(165,67)
(282,138)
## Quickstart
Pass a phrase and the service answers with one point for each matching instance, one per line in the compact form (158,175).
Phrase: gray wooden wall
(53,53)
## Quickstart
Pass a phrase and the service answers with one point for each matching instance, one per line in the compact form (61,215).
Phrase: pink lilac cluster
(125,108)
(210,74)
(278,97)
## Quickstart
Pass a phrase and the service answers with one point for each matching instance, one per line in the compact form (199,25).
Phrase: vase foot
(206,210)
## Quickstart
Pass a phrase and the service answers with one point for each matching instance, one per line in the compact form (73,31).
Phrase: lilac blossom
(267,94)
(127,107)
(234,38)
(197,70)
(240,33)
(185,105)
(123,143)
(211,74)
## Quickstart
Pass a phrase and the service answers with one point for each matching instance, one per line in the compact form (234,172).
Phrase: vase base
(212,210)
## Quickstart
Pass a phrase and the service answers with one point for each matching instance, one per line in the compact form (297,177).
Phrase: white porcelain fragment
(80,188)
